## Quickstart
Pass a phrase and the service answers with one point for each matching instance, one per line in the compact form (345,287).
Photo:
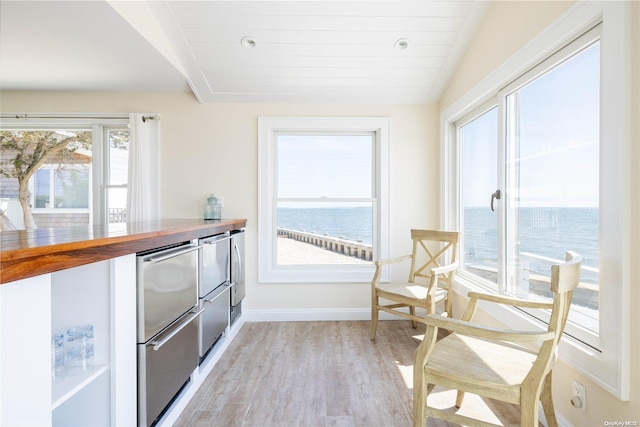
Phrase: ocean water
(351,223)
(543,232)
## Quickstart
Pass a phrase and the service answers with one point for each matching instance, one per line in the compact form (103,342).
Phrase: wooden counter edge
(33,261)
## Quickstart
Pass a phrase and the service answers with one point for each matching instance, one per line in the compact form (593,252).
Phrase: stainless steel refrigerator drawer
(165,363)
(215,318)
(167,288)
(214,262)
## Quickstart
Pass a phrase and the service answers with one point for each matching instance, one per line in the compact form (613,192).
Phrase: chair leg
(412,311)
(448,308)
(374,317)
(528,409)
(459,397)
(547,402)
(419,401)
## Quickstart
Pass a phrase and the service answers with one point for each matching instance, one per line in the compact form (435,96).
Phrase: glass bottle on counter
(213,208)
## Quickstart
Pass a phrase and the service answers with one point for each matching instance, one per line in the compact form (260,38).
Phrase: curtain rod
(106,117)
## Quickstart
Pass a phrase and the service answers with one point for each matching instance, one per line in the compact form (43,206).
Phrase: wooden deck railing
(335,244)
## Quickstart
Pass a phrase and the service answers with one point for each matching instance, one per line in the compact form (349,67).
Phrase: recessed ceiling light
(248,42)
(401,44)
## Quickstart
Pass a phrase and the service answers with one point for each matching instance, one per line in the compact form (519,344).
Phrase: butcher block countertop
(26,254)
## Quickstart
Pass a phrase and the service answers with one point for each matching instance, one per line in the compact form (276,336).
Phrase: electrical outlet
(578,397)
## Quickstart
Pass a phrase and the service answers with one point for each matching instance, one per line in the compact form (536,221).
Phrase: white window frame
(101,168)
(608,366)
(268,270)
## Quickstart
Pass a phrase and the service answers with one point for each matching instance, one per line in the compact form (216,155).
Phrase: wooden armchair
(493,362)
(432,268)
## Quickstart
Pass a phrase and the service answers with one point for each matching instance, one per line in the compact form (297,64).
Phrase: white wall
(508,27)
(214,148)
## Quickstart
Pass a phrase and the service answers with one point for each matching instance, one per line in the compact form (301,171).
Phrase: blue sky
(332,166)
(558,126)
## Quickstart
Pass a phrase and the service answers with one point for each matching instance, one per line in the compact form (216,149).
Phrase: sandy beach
(294,252)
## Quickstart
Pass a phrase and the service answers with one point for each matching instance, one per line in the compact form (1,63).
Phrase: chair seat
(477,362)
(409,290)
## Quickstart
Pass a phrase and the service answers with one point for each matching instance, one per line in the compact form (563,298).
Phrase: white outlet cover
(579,391)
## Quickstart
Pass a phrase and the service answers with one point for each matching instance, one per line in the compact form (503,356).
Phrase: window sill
(59,210)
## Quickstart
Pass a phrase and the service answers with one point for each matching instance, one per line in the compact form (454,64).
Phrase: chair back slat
(565,277)
(436,245)
(564,280)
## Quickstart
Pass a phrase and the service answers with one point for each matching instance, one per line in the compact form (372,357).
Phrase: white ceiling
(305,51)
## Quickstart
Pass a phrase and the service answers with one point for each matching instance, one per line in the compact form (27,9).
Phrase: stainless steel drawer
(167,288)
(214,262)
(215,318)
(165,364)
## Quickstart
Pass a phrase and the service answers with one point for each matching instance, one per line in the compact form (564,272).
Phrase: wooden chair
(432,268)
(493,362)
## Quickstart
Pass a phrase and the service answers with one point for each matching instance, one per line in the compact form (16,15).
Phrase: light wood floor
(321,374)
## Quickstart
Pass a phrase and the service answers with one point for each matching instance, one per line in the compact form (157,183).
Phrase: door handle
(494,196)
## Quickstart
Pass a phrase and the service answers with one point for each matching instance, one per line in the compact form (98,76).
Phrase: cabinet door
(123,341)
(25,352)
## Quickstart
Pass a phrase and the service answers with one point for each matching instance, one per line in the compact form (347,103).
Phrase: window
(115,180)
(82,177)
(478,142)
(547,146)
(58,188)
(323,198)
(532,193)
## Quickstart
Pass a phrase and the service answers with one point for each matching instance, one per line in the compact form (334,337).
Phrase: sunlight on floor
(407,374)
(473,406)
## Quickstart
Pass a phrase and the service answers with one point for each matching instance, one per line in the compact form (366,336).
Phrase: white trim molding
(268,269)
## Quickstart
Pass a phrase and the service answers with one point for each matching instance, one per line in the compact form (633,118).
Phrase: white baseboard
(314,315)
(562,421)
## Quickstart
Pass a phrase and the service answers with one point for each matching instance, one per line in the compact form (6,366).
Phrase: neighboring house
(60,192)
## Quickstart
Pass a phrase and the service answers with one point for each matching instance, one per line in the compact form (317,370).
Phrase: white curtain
(143,198)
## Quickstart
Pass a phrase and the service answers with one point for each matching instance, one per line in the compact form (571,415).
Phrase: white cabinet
(101,294)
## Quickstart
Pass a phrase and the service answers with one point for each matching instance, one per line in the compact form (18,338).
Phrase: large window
(536,162)
(531,192)
(323,198)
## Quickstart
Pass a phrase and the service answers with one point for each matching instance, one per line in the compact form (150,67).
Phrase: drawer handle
(218,240)
(169,255)
(163,341)
(217,296)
